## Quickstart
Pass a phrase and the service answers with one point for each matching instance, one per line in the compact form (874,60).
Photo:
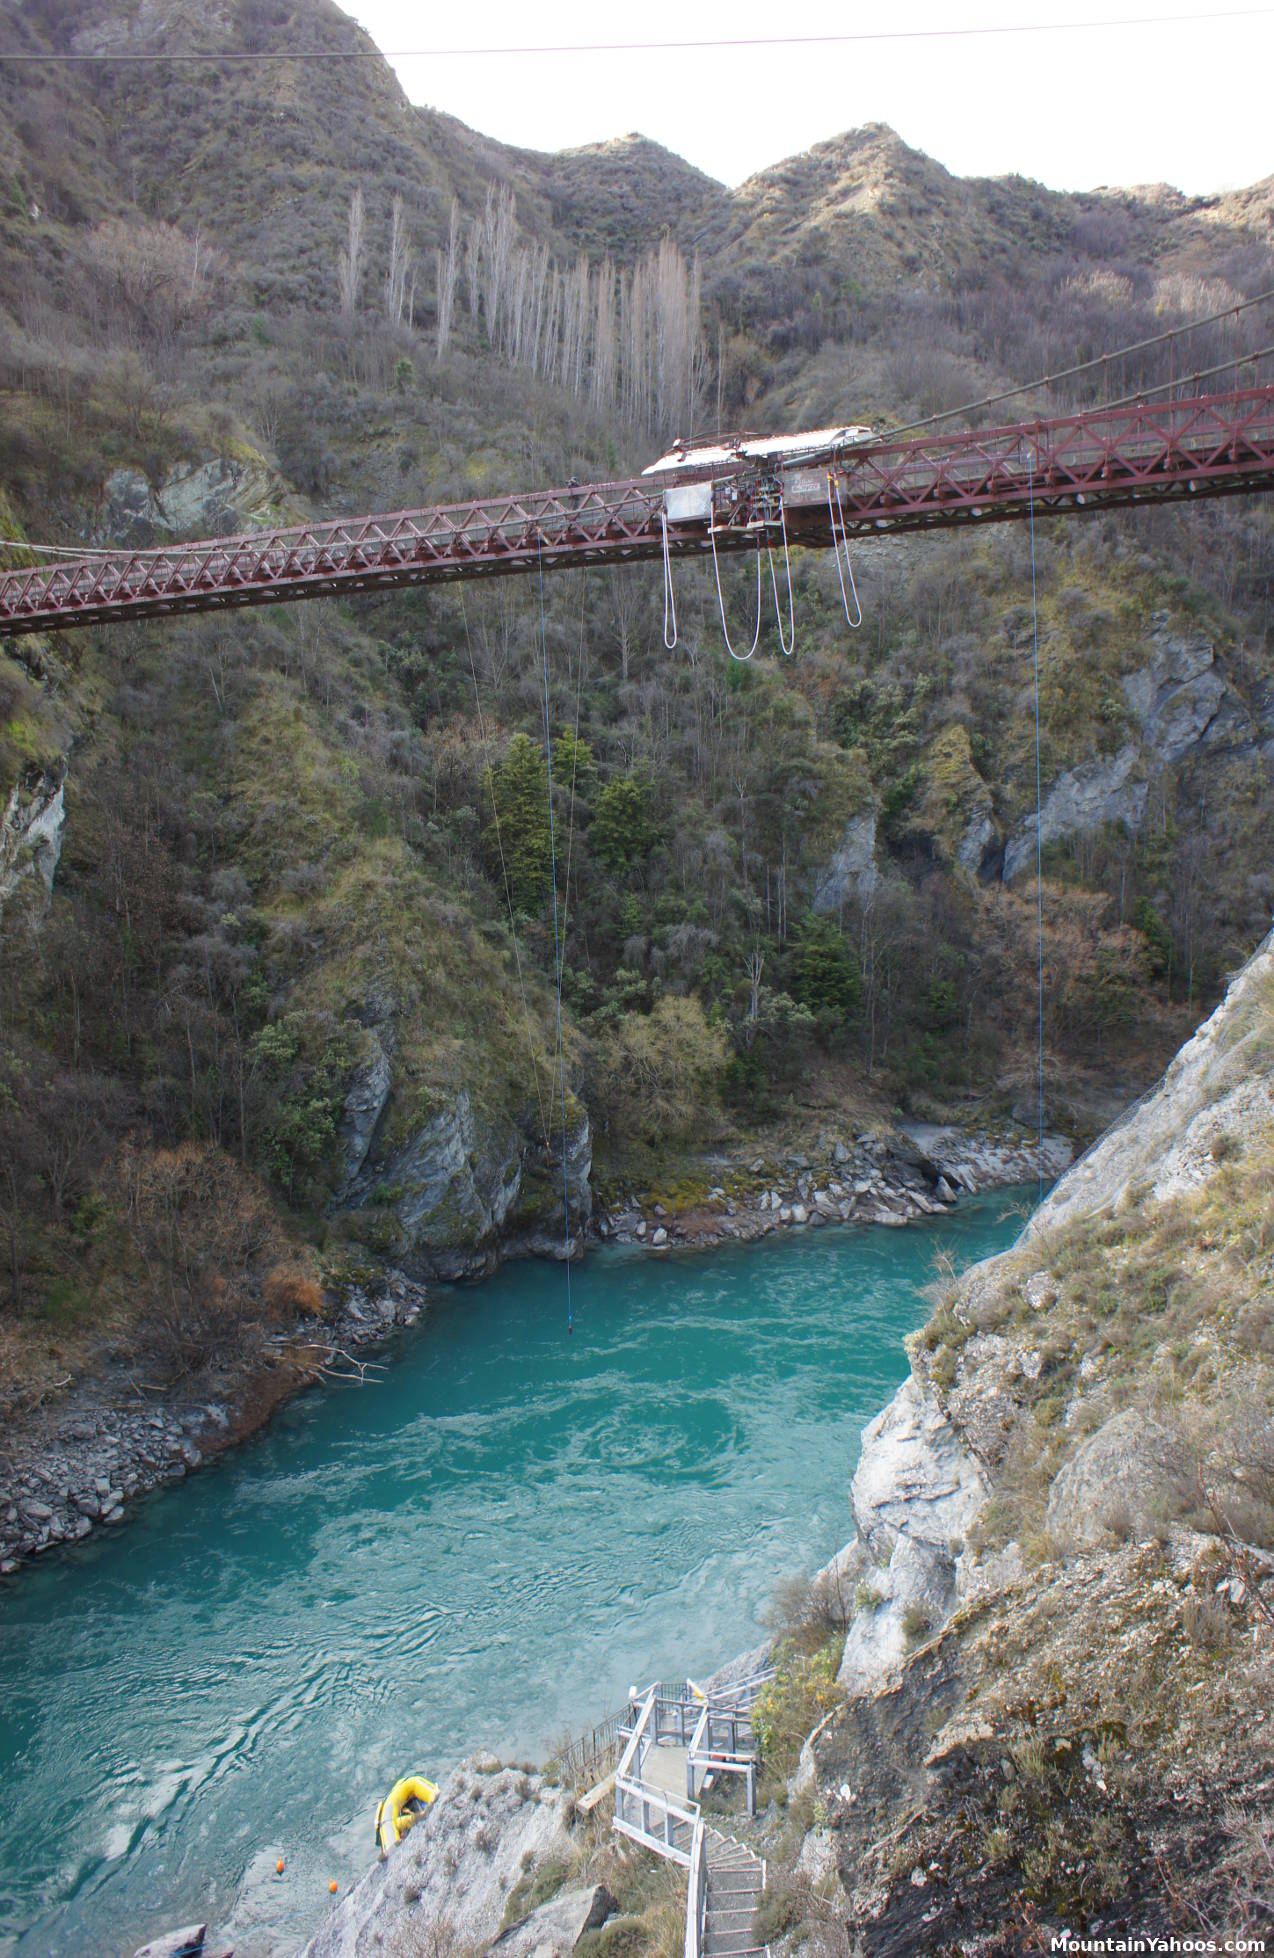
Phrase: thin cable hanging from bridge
(504,875)
(670,596)
(788,644)
(725,632)
(853,624)
(1039,818)
(557,942)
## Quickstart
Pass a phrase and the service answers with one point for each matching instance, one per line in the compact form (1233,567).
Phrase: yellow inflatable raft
(406,1800)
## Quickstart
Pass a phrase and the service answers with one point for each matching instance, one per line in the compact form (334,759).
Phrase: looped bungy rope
(833,513)
(670,596)
(741,657)
(1039,826)
(788,644)
(557,943)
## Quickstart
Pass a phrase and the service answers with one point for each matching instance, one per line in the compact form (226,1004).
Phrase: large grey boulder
(897,1605)
(1125,1479)
(554,1930)
(1182,700)
(186,1943)
(466,1186)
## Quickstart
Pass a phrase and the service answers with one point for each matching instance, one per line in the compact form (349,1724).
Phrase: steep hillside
(301,923)
(1064,1568)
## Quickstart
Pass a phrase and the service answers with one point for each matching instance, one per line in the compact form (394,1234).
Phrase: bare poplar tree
(349,267)
(605,352)
(448,271)
(497,239)
(473,265)
(400,262)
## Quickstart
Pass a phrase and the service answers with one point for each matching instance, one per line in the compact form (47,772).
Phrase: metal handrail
(635,1807)
(696,1894)
(635,1737)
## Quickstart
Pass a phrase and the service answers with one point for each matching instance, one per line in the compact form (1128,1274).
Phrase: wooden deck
(664,1767)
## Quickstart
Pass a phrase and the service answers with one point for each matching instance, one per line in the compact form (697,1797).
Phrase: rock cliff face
(210,498)
(850,872)
(1062,1577)
(31,832)
(1185,707)
(1220,1085)
(465,1187)
(927,1468)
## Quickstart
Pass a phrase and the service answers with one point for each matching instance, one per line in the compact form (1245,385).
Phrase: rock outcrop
(466,1187)
(1109,790)
(914,1495)
(1214,1093)
(1184,706)
(214,497)
(31,831)
(555,1928)
(450,1883)
(850,872)
(929,1461)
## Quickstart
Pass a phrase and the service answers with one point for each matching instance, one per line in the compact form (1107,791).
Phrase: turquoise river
(483,1550)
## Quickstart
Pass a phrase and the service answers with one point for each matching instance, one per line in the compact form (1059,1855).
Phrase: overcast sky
(1149,103)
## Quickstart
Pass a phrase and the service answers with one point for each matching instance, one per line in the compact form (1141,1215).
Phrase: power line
(896,35)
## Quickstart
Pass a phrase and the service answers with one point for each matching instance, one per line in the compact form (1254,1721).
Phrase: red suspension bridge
(1163,452)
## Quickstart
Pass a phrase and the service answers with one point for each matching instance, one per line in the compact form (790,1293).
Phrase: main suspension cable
(1086,366)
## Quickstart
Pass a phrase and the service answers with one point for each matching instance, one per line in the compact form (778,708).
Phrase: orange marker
(333,1886)
(278,1868)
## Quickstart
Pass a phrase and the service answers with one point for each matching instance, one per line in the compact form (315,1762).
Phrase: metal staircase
(735,1883)
(684,1739)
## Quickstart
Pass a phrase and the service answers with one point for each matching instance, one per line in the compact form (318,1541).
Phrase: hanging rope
(504,874)
(741,657)
(789,643)
(557,941)
(833,513)
(1039,823)
(670,596)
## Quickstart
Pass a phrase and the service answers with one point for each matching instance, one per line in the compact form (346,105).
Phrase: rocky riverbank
(917,1170)
(77,1464)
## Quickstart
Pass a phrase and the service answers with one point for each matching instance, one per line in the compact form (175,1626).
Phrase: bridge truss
(1095,459)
